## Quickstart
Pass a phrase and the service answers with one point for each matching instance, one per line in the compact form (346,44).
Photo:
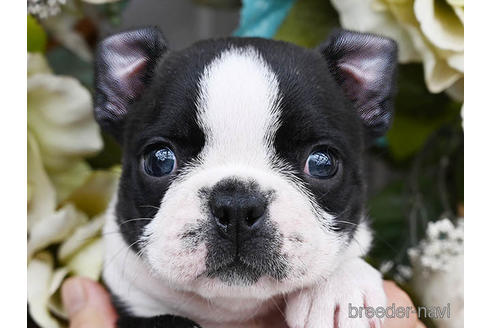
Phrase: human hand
(88,304)
(396,295)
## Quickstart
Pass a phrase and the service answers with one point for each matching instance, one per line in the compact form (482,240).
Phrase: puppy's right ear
(124,66)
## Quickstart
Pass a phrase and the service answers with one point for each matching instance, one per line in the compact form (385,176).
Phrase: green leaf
(418,113)
(308,23)
(387,210)
(65,62)
(36,37)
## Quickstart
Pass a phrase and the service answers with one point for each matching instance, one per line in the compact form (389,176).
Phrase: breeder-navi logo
(393,311)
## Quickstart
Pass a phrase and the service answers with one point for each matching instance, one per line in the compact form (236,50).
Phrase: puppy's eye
(321,165)
(159,162)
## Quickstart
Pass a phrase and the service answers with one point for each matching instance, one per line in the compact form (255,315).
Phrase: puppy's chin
(264,288)
(187,271)
(309,264)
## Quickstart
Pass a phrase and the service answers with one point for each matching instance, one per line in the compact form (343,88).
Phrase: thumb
(88,304)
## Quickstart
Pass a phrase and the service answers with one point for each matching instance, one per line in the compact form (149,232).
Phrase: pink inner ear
(128,71)
(364,71)
(355,80)
(354,72)
(360,79)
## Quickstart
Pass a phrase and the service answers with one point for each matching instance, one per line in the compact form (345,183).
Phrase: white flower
(54,228)
(61,131)
(65,197)
(60,117)
(386,266)
(437,266)
(431,31)
(405,271)
(79,245)
(47,8)
(436,229)
(442,244)
(44,280)
(40,274)
(44,8)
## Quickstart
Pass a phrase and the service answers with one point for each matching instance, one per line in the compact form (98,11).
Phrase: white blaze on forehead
(238,109)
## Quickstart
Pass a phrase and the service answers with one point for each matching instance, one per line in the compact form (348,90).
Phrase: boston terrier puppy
(242,198)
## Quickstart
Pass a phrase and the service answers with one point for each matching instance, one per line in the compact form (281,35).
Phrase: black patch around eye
(315,111)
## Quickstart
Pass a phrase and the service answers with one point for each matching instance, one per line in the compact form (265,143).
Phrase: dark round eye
(321,165)
(159,162)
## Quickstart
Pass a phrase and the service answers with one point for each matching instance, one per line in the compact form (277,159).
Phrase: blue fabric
(262,18)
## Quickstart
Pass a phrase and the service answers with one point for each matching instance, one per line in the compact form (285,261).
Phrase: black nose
(238,208)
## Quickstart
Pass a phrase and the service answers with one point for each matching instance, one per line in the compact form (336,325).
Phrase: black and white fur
(242,115)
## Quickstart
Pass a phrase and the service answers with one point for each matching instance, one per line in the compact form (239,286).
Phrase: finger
(87,304)
(401,300)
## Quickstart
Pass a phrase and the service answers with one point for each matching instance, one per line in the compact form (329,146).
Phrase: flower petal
(55,304)
(39,277)
(67,181)
(440,24)
(361,16)
(460,13)
(42,195)
(36,64)
(82,236)
(88,261)
(456,3)
(438,74)
(457,61)
(94,195)
(456,91)
(54,228)
(60,116)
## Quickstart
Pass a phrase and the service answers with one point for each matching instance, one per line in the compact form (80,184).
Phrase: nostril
(254,214)
(223,221)
(250,221)
(221,216)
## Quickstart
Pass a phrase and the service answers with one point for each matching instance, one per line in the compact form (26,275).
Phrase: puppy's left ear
(364,65)
(125,64)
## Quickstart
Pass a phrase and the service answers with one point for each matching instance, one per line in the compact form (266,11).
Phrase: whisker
(118,253)
(279,309)
(150,206)
(135,219)
(140,254)
(345,222)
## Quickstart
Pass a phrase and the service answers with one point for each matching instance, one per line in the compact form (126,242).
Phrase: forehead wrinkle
(238,108)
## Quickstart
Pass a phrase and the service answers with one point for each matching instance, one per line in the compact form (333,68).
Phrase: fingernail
(73,295)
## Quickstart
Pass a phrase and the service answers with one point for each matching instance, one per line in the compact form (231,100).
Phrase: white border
(478,163)
(13,130)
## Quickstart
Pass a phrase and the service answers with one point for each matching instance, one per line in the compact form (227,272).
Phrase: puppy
(241,200)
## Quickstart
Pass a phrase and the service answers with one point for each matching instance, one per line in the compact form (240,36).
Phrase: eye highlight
(321,164)
(159,161)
